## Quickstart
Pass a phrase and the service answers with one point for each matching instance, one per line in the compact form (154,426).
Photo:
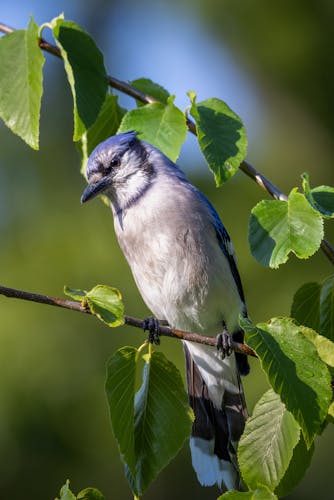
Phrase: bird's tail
(217,399)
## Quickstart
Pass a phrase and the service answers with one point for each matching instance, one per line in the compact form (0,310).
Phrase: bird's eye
(115,162)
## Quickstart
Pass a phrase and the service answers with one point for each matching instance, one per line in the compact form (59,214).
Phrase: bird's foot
(224,344)
(152,326)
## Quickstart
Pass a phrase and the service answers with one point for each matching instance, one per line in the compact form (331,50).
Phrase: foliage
(86,494)
(296,357)
(144,418)
(277,228)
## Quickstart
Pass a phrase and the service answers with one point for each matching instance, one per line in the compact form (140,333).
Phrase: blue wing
(225,245)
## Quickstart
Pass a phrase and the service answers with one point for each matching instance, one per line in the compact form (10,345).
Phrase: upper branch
(138,323)
(245,166)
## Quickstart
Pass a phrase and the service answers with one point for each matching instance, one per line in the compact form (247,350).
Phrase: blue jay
(184,266)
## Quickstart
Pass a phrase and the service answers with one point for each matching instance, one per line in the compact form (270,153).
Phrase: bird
(184,266)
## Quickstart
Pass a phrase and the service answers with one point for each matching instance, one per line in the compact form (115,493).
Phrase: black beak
(95,189)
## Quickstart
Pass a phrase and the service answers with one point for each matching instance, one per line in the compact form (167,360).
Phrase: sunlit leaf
(261,493)
(21,83)
(266,446)
(294,370)
(163,126)
(90,494)
(85,71)
(277,228)
(221,136)
(321,197)
(106,303)
(324,346)
(66,493)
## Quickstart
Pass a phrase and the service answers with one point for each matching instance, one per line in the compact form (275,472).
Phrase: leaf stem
(129,320)
(141,348)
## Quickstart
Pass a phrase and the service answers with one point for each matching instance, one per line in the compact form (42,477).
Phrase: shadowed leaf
(162,420)
(221,136)
(313,306)
(321,197)
(85,71)
(106,125)
(301,460)
(147,86)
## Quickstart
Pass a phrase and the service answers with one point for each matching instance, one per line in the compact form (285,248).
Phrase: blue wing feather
(225,244)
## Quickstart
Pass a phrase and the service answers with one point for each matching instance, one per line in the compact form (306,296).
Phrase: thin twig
(245,166)
(138,323)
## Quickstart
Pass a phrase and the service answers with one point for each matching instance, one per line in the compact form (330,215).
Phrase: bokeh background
(272,63)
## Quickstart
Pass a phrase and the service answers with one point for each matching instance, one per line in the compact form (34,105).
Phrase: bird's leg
(224,343)
(152,326)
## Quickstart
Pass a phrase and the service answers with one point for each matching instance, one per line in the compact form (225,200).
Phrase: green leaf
(261,493)
(90,494)
(331,412)
(120,390)
(266,446)
(146,86)
(75,293)
(306,305)
(221,136)
(163,419)
(66,493)
(277,228)
(106,303)
(85,71)
(106,125)
(294,369)
(313,306)
(326,327)
(324,346)
(163,126)
(321,197)
(21,83)
(151,426)
(301,460)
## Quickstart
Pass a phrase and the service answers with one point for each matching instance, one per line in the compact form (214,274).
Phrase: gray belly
(183,277)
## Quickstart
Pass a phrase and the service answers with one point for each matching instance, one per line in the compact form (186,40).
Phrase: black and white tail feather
(218,423)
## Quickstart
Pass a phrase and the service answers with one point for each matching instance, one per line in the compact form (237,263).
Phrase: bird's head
(118,168)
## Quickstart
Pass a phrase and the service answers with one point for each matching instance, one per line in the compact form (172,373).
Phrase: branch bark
(129,320)
(245,166)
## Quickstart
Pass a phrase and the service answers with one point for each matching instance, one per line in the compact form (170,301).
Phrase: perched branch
(138,323)
(245,166)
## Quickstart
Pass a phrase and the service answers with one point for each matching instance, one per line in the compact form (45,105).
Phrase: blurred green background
(272,63)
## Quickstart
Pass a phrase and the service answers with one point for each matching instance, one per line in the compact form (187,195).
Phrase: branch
(245,166)
(138,323)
